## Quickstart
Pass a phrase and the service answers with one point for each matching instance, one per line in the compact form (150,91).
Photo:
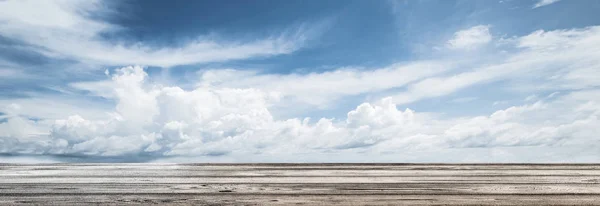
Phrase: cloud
(321,89)
(37,106)
(562,59)
(540,123)
(63,29)
(531,98)
(419,80)
(158,121)
(228,114)
(534,66)
(541,3)
(169,121)
(471,38)
(318,89)
(499,103)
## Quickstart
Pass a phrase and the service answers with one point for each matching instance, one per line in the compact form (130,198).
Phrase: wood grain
(300,184)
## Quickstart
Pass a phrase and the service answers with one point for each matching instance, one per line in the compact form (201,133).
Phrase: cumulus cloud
(63,29)
(161,121)
(541,3)
(470,38)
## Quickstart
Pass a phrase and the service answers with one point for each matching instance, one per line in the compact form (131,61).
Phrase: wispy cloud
(541,3)
(533,57)
(470,38)
(537,58)
(64,30)
(322,89)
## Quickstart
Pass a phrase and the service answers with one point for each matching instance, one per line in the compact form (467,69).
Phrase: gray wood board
(300,184)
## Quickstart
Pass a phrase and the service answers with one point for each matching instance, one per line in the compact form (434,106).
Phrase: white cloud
(562,59)
(211,121)
(62,29)
(97,88)
(21,134)
(573,68)
(541,3)
(531,98)
(38,106)
(553,94)
(471,38)
(159,121)
(314,89)
(321,89)
(542,123)
(440,86)
(229,112)
(499,103)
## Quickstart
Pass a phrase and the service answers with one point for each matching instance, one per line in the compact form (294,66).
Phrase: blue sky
(300,81)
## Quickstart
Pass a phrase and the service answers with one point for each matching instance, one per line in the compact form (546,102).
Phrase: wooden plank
(66,172)
(314,180)
(302,189)
(310,184)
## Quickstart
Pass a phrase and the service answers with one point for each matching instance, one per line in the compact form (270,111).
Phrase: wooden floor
(300,184)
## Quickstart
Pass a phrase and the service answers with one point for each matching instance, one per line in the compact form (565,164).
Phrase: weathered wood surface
(301,184)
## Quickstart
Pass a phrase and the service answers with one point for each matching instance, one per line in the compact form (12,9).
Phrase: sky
(299,81)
